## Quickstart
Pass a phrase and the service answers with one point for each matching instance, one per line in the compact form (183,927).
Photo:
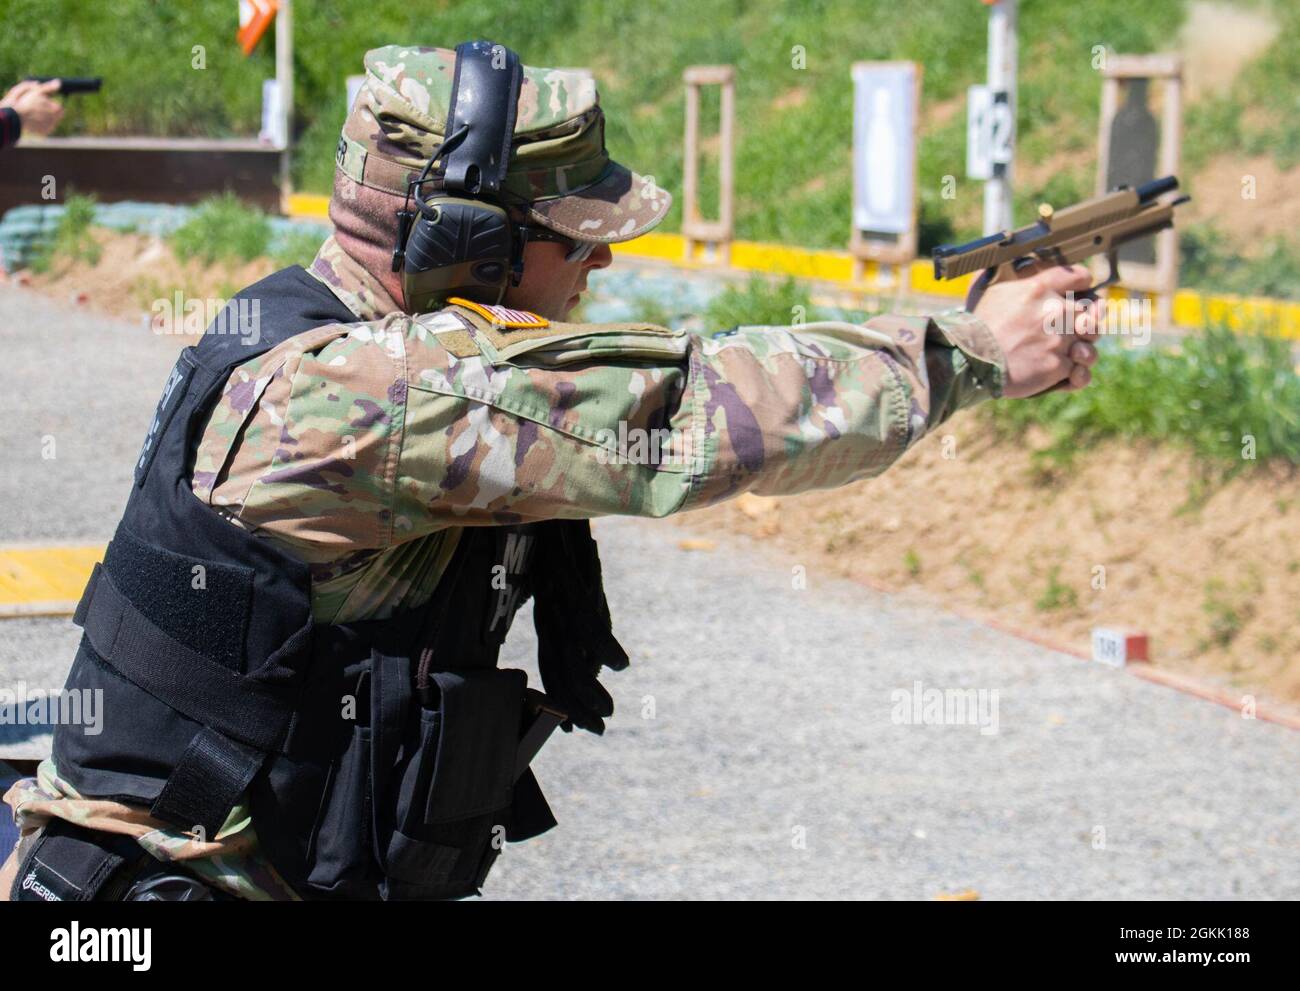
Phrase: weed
(1226,614)
(1057,595)
(912,561)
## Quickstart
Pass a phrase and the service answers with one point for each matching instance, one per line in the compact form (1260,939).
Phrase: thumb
(16,91)
(51,86)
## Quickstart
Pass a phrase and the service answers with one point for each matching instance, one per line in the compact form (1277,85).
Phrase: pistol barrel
(1156,187)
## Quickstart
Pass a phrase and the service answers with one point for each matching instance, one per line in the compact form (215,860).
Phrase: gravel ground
(76,395)
(82,389)
(772,723)
(755,752)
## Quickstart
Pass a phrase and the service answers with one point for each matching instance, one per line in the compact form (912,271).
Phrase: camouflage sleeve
(371,434)
(666,421)
(783,410)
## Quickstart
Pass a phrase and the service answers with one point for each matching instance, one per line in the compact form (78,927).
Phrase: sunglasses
(577,251)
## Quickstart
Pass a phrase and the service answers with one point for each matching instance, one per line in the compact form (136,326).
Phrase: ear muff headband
(484,101)
(459,241)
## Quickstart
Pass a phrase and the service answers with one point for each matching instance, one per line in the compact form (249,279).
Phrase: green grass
(912,562)
(760,302)
(223,229)
(1226,612)
(1268,87)
(651,309)
(73,240)
(1216,395)
(1209,261)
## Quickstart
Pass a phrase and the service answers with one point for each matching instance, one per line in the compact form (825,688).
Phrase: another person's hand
(1028,316)
(35,104)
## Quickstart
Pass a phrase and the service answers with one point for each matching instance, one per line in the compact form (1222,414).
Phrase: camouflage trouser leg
(88,865)
(230,862)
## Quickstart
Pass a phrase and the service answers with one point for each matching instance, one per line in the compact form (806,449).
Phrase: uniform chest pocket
(607,386)
(563,344)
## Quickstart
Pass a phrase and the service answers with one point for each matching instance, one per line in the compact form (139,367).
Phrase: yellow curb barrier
(1190,309)
(44,581)
(309,206)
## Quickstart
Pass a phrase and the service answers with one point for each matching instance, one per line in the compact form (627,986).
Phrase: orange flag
(255,16)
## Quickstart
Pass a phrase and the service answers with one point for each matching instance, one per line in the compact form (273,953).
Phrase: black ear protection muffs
(459,241)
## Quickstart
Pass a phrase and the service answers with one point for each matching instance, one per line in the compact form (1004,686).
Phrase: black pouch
(339,852)
(447,795)
(414,801)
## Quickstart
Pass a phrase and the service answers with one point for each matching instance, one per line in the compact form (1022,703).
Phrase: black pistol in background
(1063,237)
(68,85)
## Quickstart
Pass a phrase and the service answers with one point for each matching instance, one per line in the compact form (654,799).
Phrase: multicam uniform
(366,448)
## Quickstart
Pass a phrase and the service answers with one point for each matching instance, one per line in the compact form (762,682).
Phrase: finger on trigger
(1061,278)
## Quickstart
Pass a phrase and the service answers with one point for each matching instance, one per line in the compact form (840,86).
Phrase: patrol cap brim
(618,206)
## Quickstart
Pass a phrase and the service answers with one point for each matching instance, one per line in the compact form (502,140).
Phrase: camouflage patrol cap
(558,162)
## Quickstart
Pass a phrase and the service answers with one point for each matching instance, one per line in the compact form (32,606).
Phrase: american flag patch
(502,316)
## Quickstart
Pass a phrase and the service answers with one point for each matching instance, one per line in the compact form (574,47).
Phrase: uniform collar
(358,290)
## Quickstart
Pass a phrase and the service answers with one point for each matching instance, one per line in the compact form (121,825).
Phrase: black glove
(573,625)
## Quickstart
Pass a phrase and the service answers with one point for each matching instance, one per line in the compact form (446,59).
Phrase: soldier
(355,479)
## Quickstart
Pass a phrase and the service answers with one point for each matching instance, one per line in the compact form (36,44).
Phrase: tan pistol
(1063,237)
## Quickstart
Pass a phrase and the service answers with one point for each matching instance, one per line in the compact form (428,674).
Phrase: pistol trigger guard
(1112,261)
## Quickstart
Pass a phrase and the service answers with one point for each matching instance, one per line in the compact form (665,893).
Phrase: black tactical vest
(381,758)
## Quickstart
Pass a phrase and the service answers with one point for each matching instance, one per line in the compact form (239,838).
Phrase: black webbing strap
(205,691)
(390,697)
(206,783)
(241,724)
